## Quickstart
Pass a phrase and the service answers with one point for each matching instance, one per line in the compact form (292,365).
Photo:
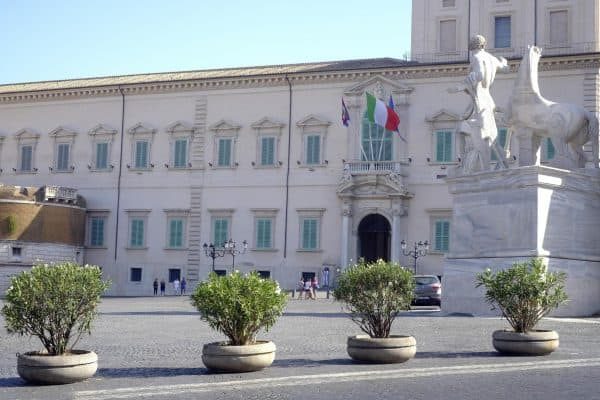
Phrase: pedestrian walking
(155,286)
(183,285)
(314,285)
(300,288)
(176,286)
(307,290)
(162,287)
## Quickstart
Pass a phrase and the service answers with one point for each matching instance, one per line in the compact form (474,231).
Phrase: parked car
(428,290)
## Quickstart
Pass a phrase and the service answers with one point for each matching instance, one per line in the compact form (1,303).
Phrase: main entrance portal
(374,238)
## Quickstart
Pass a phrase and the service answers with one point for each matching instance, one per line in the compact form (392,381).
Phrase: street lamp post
(420,250)
(213,252)
(230,247)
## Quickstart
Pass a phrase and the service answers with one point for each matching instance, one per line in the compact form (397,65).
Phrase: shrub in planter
(524,294)
(373,294)
(56,304)
(239,306)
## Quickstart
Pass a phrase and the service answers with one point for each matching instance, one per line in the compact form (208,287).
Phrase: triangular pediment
(102,129)
(312,121)
(224,126)
(61,132)
(443,116)
(370,84)
(26,133)
(141,129)
(179,127)
(267,123)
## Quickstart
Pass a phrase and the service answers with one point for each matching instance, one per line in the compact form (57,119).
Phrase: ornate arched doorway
(374,233)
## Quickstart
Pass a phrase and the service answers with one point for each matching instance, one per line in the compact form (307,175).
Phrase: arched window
(376,142)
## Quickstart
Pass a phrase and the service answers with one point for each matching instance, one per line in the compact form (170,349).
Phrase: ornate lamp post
(213,252)
(230,247)
(420,250)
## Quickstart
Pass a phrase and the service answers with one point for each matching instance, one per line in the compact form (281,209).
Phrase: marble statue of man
(480,123)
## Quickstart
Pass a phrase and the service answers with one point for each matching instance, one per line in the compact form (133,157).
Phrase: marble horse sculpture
(532,117)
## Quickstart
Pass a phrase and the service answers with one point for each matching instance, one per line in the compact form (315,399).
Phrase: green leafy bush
(55,303)
(374,293)
(524,293)
(239,306)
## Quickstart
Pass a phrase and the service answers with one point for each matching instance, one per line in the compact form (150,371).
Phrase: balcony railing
(374,167)
(513,52)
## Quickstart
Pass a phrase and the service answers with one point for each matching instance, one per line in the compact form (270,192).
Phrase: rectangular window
(443,146)
(220,231)
(442,236)
(62,157)
(448,36)
(97,231)
(313,149)
(26,158)
(136,238)
(174,273)
(264,233)
(501,140)
(141,153)
(448,3)
(502,32)
(180,153)
(559,27)
(267,151)
(224,152)
(136,274)
(16,252)
(101,155)
(176,233)
(310,240)
(548,149)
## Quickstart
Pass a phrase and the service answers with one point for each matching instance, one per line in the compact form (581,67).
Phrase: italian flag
(378,112)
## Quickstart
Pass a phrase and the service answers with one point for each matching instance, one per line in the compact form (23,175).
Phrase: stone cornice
(408,72)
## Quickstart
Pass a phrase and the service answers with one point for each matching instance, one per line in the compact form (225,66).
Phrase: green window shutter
(62,157)
(550,151)
(224,153)
(443,146)
(267,156)
(176,233)
(180,153)
(97,232)
(442,235)
(501,141)
(221,232)
(263,233)
(141,154)
(101,155)
(313,149)
(137,233)
(26,158)
(309,234)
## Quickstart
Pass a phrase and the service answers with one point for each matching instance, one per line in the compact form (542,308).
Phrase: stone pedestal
(506,216)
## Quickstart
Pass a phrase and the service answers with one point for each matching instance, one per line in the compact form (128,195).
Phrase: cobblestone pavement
(143,342)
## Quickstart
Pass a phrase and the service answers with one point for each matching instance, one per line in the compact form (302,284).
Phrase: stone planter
(36,367)
(394,349)
(220,356)
(534,343)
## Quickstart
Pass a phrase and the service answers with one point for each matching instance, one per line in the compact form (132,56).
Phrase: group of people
(179,287)
(308,288)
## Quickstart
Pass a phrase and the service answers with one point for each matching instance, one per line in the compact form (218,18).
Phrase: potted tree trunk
(56,304)
(373,294)
(239,306)
(524,294)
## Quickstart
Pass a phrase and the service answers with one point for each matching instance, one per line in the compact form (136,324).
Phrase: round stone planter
(394,349)
(36,367)
(220,356)
(534,343)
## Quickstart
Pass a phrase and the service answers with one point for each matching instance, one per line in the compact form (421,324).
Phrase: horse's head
(527,75)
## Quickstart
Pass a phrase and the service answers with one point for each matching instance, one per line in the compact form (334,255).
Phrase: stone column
(397,212)
(346,226)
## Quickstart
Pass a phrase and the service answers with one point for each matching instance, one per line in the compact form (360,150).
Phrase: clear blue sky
(65,39)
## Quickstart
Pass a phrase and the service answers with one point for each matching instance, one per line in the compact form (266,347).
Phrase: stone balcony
(375,167)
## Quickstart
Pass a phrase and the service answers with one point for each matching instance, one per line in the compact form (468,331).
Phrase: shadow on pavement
(304,362)
(315,314)
(465,354)
(12,382)
(141,372)
(150,313)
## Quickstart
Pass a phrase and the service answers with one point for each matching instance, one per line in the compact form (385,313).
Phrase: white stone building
(168,162)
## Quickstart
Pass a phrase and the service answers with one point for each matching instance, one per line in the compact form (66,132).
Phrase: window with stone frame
(180,138)
(268,134)
(142,138)
(377,143)
(440,220)
(502,31)
(220,223)
(445,144)
(96,228)
(101,138)
(138,228)
(176,228)
(63,143)
(447,36)
(225,135)
(264,228)
(26,151)
(314,136)
(558,27)
(310,221)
